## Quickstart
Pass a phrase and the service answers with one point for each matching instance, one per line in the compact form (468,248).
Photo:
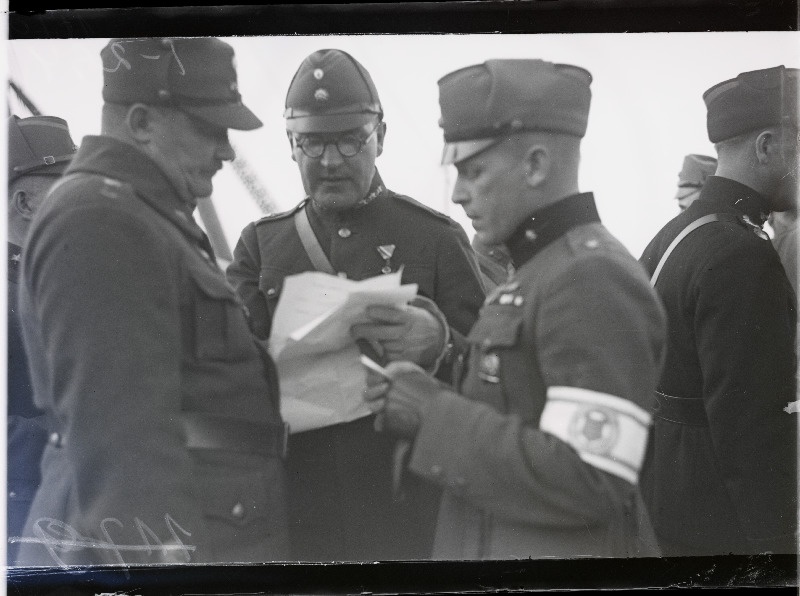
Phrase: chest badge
(489,370)
(386,251)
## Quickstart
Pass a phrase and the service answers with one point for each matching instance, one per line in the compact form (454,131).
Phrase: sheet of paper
(321,376)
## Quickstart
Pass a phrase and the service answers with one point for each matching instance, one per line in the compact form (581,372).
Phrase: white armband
(608,432)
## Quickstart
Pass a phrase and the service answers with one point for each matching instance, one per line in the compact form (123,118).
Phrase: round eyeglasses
(347,145)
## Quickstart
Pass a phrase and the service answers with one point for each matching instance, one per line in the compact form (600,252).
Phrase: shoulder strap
(706,219)
(311,244)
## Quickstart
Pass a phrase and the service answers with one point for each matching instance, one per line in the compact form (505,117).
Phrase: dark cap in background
(194,74)
(484,103)
(331,92)
(38,145)
(754,99)
(696,168)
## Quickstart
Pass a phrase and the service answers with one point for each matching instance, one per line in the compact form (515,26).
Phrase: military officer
(351,224)
(693,175)
(539,447)
(720,475)
(165,442)
(39,149)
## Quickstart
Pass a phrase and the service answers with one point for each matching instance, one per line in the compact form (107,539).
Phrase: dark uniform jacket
(163,411)
(342,506)
(26,430)
(539,454)
(721,470)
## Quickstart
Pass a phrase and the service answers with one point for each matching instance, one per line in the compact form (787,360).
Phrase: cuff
(447,345)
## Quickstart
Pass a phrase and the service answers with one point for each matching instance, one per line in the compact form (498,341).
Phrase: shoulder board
(587,239)
(283,214)
(414,203)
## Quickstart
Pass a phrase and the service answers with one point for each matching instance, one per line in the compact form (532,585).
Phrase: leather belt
(683,410)
(215,431)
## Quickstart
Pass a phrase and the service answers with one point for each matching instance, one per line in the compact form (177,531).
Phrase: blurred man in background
(343,504)
(39,149)
(165,442)
(720,475)
(696,169)
(539,451)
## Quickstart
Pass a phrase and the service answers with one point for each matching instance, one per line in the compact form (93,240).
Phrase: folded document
(320,374)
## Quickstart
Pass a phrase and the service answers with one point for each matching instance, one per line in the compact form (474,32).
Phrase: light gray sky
(647,110)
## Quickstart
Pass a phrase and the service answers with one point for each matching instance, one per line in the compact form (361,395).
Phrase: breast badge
(489,370)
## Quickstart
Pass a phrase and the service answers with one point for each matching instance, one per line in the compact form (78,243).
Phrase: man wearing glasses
(350,224)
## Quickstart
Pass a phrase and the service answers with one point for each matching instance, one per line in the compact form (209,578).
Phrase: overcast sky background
(647,110)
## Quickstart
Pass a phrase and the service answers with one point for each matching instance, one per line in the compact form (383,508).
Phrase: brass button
(271,292)
(530,235)
(55,440)
(593,243)
(238,511)
(344,232)
(436,470)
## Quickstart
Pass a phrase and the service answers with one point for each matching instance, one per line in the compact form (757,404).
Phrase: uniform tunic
(342,502)
(27,434)
(156,394)
(539,454)
(721,470)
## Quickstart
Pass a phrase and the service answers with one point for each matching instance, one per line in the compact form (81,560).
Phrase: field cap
(696,168)
(331,92)
(195,74)
(38,145)
(485,103)
(753,100)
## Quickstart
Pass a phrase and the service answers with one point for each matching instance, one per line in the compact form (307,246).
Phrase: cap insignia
(321,95)
(318,73)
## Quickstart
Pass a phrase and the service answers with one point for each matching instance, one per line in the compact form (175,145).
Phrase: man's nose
(225,151)
(460,195)
(331,156)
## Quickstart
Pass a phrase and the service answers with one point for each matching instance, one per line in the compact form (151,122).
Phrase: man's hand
(408,333)
(401,400)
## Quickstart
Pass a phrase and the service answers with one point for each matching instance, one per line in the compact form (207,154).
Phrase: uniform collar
(122,161)
(112,158)
(729,193)
(377,190)
(14,258)
(550,223)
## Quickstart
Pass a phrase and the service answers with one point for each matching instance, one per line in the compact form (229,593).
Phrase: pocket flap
(498,326)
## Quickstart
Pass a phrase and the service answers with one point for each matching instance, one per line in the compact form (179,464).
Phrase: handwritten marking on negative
(56,535)
(118,49)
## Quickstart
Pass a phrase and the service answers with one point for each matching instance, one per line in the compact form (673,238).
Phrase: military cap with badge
(484,103)
(194,74)
(39,145)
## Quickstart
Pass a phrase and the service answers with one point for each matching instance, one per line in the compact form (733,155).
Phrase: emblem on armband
(594,429)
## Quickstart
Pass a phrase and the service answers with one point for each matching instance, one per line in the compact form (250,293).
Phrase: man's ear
(381,134)
(139,120)
(538,162)
(766,146)
(22,204)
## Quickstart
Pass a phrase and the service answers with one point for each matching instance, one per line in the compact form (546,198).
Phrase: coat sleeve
(243,274)
(106,298)
(745,323)
(599,331)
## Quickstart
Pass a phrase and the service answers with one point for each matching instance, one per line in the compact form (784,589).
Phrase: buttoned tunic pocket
(220,329)
(494,334)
